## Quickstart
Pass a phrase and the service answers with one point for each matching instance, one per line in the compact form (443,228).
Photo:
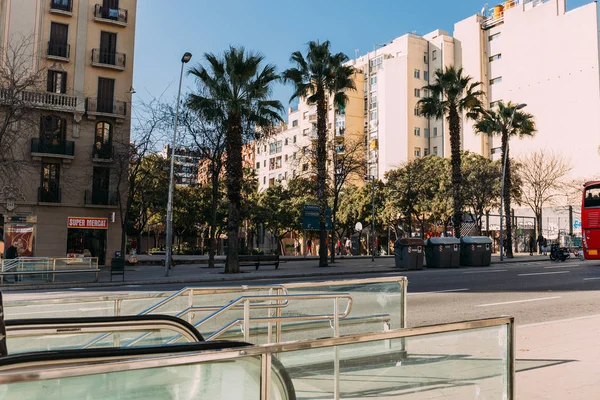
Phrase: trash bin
(442,252)
(408,253)
(475,251)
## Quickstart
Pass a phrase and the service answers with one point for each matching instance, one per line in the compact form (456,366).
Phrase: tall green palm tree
(451,95)
(234,93)
(318,77)
(505,120)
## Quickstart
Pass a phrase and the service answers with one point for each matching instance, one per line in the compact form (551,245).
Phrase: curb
(236,277)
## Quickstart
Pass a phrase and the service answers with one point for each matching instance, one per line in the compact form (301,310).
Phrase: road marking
(545,273)
(563,266)
(133,285)
(441,291)
(485,272)
(77,288)
(590,279)
(518,301)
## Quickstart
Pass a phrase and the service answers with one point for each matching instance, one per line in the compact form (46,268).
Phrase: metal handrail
(190,292)
(22,331)
(45,370)
(245,322)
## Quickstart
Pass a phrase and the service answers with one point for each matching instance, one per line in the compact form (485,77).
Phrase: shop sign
(30,219)
(87,223)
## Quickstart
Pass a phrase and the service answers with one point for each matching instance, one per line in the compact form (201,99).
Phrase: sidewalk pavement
(559,359)
(199,272)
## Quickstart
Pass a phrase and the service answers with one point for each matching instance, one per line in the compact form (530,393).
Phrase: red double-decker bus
(590,220)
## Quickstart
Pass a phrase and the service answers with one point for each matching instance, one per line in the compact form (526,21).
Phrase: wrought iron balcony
(103,153)
(60,51)
(46,195)
(61,149)
(106,107)
(61,6)
(42,100)
(110,15)
(108,59)
(99,197)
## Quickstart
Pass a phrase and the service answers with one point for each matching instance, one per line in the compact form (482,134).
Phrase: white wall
(550,60)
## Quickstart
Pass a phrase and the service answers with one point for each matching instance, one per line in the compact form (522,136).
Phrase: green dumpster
(442,252)
(408,253)
(475,251)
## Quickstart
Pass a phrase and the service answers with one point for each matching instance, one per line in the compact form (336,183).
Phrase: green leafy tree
(188,202)
(481,191)
(277,212)
(234,92)
(506,121)
(316,77)
(451,95)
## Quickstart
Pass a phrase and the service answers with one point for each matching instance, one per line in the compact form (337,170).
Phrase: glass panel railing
(473,359)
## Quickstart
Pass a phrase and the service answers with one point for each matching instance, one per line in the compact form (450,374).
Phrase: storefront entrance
(87,242)
(86,237)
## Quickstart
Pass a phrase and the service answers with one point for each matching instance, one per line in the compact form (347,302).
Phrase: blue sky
(165,30)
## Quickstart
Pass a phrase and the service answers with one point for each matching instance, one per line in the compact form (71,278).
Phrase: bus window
(592,197)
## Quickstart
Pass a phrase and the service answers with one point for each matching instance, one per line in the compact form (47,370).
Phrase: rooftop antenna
(484,9)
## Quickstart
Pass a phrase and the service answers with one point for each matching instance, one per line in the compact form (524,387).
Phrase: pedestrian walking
(296,247)
(338,247)
(309,247)
(348,247)
(531,245)
(545,246)
(540,242)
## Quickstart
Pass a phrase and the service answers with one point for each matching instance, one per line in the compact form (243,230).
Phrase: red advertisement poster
(21,236)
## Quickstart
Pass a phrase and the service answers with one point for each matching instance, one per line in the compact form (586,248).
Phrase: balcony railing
(61,148)
(59,50)
(109,107)
(100,197)
(44,100)
(48,195)
(63,6)
(104,153)
(104,14)
(108,59)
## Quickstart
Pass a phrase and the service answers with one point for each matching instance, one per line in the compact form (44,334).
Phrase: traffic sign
(577,224)
(310,218)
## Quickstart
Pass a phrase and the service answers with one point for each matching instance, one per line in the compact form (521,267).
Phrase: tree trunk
(322,173)
(234,187)
(507,192)
(213,218)
(454,120)
(538,217)
(333,226)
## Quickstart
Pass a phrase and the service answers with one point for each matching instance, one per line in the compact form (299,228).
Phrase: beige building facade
(75,134)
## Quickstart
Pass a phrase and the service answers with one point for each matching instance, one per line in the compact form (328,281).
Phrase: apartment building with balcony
(204,171)
(79,115)
(290,150)
(186,164)
(540,53)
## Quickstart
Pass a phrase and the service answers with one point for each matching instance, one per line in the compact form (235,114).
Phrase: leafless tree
(209,140)
(349,166)
(543,175)
(148,122)
(21,85)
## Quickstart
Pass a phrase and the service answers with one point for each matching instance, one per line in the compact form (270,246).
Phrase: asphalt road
(530,291)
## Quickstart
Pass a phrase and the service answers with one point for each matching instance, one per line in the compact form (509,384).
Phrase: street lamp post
(512,117)
(169,249)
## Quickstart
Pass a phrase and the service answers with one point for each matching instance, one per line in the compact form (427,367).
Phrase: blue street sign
(310,218)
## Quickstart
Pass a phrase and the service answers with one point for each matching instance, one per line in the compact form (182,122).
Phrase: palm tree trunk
(234,188)
(213,219)
(333,225)
(322,174)
(507,192)
(454,120)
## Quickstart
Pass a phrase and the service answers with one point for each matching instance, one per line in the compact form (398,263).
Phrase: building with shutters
(75,131)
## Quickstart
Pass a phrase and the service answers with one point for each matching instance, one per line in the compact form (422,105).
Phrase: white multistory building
(525,51)
(541,54)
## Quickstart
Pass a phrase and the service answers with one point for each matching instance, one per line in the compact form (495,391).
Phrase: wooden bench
(257,260)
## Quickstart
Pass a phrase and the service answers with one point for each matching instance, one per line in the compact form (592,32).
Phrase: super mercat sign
(87,223)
